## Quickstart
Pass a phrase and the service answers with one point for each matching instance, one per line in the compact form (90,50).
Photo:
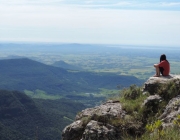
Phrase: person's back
(166,67)
(163,67)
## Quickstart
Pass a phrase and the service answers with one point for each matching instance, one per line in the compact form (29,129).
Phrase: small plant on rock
(132,99)
(133,92)
(156,127)
(169,90)
(177,121)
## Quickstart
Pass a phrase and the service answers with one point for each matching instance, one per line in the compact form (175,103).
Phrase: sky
(130,22)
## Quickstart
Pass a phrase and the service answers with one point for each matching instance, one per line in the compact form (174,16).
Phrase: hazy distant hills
(45,47)
(65,65)
(22,118)
(20,74)
(23,73)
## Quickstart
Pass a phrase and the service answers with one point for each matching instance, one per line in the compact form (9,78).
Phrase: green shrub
(132,99)
(172,133)
(154,131)
(85,120)
(177,121)
(133,92)
(169,90)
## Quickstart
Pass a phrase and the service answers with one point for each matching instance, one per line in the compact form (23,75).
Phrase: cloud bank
(89,21)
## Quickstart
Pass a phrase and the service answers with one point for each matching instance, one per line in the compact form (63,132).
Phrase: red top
(166,66)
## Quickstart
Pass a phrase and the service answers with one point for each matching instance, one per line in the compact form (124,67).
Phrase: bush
(132,99)
(169,90)
(133,92)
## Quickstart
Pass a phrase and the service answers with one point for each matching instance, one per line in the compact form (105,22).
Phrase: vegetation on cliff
(135,114)
(145,120)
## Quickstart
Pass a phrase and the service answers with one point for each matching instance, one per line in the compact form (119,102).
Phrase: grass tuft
(145,118)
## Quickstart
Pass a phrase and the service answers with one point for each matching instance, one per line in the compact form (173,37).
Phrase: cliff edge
(159,99)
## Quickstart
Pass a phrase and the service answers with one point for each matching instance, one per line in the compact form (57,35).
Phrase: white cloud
(69,23)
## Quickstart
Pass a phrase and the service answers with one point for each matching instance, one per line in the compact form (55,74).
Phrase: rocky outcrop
(109,110)
(151,100)
(171,111)
(93,123)
(109,121)
(95,130)
(152,83)
(73,131)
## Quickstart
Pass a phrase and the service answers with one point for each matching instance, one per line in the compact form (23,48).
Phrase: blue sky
(132,22)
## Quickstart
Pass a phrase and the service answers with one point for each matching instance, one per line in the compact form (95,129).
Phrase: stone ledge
(152,81)
(162,79)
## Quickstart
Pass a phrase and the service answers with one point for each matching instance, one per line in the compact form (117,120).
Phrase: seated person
(163,67)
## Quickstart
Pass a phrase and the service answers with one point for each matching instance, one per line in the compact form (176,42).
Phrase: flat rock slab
(152,81)
(110,109)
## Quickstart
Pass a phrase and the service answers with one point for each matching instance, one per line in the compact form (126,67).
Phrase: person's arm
(157,70)
(156,65)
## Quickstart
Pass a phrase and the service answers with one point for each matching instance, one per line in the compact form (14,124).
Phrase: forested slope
(24,118)
(25,74)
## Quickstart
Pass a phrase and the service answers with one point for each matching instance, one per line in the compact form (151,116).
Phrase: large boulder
(93,123)
(171,111)
(149,101)
(109,110)
(73,131)
(152,83)
(98,131)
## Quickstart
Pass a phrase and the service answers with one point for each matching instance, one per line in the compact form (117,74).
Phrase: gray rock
(151,100)
(73,131)
(98,131)
(151,104)
(96,123)
(92,123)
(109,110)
(152,83)
(171,111)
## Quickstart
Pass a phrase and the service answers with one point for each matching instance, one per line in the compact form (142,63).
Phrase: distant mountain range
(24,118)
(23,73)
(65,48)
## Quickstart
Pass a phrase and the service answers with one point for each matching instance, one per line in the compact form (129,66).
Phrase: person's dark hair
(163,57)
